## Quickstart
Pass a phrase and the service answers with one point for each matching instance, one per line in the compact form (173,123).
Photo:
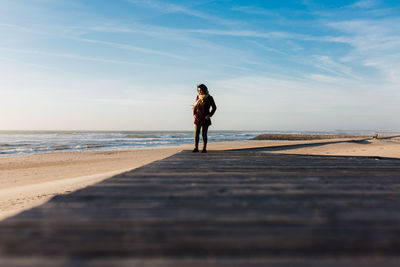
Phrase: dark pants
(197,129)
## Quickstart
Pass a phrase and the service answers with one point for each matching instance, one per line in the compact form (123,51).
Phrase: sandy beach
(27,181)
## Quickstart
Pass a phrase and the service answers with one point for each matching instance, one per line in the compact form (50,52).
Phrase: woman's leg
(196,137)
(204,134)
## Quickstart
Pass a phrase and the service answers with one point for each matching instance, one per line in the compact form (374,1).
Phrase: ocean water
(14,143)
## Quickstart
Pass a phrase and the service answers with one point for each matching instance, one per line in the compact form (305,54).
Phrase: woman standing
(202,115)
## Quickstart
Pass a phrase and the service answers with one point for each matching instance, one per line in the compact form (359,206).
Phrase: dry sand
(389,148)
(27,181)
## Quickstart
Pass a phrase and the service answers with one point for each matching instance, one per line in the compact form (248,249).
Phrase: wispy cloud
(374,43)
(20,28)
(130,48)
(165,7)
(71,56)
(330,65)
(255,11)
(364,4)
(324,78)
(159,32)
(274,35)
(236,67)
(245,33)
(12,26)
(267,48)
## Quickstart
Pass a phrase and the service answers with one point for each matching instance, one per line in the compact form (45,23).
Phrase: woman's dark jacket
(203,109)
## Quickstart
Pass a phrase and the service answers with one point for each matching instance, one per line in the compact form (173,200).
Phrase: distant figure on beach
(202,115)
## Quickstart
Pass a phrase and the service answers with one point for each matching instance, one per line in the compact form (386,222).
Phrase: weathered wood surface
(223,208)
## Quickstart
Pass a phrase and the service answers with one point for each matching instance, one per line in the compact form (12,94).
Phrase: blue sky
(134,65)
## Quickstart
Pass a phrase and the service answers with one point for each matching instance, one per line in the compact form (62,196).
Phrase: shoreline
(20,143)
(30,180)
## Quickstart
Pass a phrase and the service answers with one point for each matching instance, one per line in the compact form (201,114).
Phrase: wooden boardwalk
(223,208)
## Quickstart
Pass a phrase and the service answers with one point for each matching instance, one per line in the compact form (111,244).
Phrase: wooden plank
(224,205)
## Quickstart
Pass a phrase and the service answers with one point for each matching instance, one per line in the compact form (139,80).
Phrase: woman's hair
(203,88)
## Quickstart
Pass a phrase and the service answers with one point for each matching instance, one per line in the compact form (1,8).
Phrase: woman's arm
(195,106)
(213,107)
